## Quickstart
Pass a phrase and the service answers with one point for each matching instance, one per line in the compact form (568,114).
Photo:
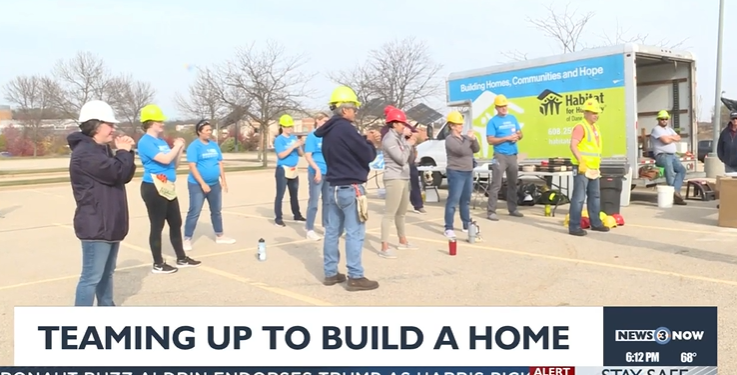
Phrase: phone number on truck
(560,131)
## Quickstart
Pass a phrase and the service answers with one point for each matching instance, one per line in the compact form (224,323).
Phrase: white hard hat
(97,110)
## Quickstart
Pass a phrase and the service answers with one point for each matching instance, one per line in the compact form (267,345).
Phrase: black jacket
(727,148)
(347,153)
(98,182)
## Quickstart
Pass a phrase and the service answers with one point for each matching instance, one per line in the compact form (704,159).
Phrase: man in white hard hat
(98,180)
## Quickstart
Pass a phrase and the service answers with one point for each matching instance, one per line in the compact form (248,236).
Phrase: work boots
(355,285)
(678,199)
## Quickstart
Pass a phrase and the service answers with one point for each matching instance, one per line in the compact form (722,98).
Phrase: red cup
(452,247)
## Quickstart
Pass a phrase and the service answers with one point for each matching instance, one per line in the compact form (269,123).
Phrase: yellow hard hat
(501,101)
(286,121)
(592,105)
(663,115)
(152,112)
(455,117)
(344,94)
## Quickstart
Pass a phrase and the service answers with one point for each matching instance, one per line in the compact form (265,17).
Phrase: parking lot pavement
(676,256)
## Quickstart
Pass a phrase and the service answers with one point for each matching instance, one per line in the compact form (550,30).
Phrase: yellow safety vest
(589,149)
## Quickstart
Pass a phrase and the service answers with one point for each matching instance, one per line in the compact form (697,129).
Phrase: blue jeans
(460,188)
(197,199)
(584,189)
(282,183)
(342,212)
(675,172)
(98,265)
(317,189)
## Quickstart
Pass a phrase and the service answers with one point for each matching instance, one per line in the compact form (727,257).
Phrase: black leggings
(160,211)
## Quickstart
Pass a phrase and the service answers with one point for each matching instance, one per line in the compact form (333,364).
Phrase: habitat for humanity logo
(550,102)
(660,335)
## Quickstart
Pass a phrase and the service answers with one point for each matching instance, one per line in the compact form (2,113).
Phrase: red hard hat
(397,115)
(388,109)
(585,223)
(619,219)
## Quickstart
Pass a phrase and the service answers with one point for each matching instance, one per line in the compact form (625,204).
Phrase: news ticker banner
(368,337)
(376,370)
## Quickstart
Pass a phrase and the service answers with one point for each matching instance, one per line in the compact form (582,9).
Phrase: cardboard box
(718,184)
(728,203)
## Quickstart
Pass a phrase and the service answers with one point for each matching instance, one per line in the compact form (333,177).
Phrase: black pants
(282,184)
(161,211)
(415,192)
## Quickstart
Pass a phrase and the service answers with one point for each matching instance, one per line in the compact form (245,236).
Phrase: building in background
(5,113)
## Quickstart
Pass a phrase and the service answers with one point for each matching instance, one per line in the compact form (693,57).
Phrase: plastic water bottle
(472,232)
(261,250)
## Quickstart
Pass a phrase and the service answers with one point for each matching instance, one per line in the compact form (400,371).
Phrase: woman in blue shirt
(204,183)
(158,190)
(316,177)
(288,150)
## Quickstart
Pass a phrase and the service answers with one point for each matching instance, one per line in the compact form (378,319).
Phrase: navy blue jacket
(347,153)
(727,147)
(98,182)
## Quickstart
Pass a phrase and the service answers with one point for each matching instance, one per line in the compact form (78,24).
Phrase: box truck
(632,82)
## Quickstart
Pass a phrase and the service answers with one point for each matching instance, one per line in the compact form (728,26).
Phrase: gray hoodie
(397,156)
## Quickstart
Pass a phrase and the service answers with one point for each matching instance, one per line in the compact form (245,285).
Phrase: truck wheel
(437,177)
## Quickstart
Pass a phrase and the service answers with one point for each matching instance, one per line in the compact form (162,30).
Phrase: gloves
(582,169)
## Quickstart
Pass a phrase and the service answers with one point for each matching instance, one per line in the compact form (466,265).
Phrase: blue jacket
(98,182)
(347,153)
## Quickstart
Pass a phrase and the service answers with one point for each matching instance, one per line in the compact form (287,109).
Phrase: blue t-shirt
(208,157)
(501,127)
(281,144)
(313,144)
(148,148)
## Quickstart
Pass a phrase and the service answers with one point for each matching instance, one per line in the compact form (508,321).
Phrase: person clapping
(98,179)
(459,149)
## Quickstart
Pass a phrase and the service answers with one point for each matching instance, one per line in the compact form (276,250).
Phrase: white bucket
(665,196)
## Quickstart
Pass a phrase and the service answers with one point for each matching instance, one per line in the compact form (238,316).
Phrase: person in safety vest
(348,155)
(503,132)
(586,144)
(664,150)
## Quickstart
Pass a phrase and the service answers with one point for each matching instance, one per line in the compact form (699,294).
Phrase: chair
(481,184)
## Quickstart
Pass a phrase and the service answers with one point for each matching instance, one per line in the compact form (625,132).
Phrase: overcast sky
(154,40)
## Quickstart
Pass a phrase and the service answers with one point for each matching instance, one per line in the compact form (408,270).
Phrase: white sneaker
(187,244)
(224,240)
(406,246)
(311,235)
(450,233)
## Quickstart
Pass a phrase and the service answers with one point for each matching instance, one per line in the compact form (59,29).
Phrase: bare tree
(81,79)
(401,72)
(621,37)
(33,97)
(204,100)
(130,96)
(264,84)
(405,73)
(567,27)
